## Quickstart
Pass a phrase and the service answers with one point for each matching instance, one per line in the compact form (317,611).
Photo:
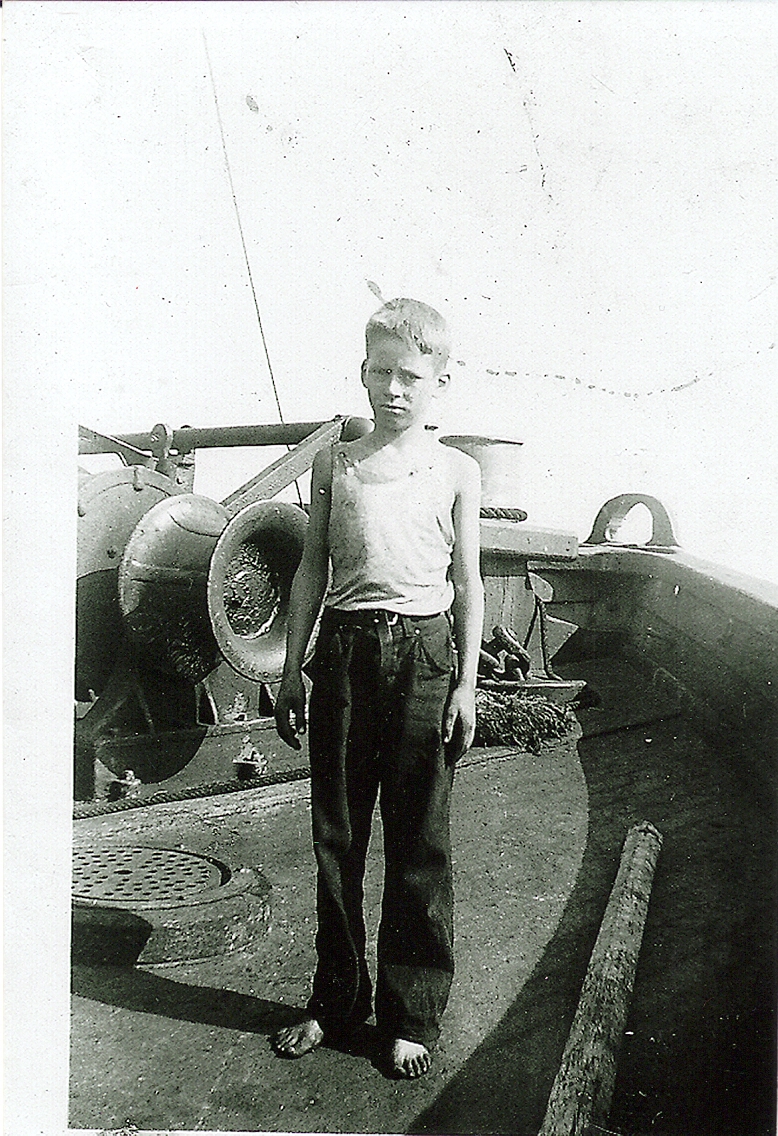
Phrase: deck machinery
(181,601)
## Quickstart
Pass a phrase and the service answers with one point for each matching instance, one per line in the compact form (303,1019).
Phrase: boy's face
(401,382)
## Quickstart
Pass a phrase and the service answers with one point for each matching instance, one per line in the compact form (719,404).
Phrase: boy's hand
(290,704)
(459,722)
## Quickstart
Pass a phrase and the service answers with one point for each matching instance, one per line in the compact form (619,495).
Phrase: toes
(296,1041)
(283,1044)
(418,1066)
(409,1059)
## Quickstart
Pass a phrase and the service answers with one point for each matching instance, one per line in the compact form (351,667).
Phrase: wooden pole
(583,1087)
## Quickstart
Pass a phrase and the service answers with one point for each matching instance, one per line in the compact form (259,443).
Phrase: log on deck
(583,1087)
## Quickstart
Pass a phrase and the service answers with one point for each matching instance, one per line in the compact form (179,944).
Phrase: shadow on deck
(699,1052)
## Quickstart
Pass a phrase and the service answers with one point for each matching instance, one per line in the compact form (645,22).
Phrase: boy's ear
(363,372)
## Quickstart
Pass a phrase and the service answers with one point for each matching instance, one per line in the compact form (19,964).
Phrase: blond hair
(416,323)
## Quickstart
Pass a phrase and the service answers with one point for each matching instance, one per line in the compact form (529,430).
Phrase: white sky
(599,206)
(585,190)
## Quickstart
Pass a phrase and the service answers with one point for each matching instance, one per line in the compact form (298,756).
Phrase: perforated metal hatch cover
(136,877)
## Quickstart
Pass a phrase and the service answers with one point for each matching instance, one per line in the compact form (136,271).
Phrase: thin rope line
(240,229)
(245,250)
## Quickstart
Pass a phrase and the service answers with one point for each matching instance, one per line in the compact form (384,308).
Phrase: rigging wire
(245,250)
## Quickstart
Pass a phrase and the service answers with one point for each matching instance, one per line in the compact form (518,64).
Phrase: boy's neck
(414,437)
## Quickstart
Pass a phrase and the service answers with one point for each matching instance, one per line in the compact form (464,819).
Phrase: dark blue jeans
(380,686)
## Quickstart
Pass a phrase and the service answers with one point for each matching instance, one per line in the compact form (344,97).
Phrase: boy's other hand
(290,710)
(459,723)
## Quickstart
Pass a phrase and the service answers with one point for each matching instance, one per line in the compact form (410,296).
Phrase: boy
(395,514)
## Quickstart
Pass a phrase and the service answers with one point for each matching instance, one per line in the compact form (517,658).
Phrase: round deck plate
(145,877)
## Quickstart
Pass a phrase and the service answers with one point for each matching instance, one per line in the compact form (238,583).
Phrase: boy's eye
(403,377)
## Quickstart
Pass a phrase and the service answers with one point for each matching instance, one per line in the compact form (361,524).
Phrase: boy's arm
(467,608)
(308,588)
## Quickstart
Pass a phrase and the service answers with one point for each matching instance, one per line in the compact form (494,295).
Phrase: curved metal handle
(613,512)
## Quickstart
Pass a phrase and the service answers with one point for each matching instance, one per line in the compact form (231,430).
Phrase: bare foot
(409,1059)
(296,1041)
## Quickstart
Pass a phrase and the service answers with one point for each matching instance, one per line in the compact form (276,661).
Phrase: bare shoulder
(355,450)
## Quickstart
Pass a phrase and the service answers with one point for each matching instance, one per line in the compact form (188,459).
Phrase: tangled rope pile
(525,720)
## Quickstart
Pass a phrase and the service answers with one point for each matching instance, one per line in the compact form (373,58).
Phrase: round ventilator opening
(249,582)
(252,595)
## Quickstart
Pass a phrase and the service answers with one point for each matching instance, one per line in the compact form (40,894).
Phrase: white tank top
(391,536)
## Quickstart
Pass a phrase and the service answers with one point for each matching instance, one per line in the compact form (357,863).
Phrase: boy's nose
(393,385)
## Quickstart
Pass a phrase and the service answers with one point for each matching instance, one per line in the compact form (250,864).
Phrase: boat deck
(537,840)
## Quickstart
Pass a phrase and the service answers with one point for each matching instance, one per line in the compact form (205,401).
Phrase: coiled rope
(491,512)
